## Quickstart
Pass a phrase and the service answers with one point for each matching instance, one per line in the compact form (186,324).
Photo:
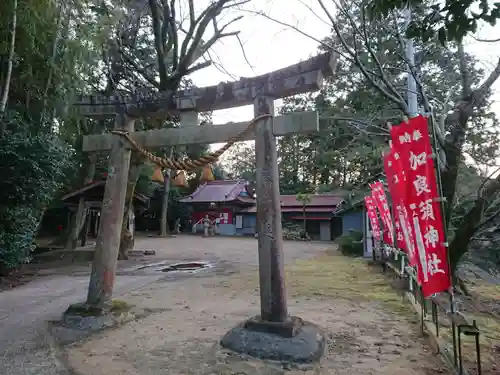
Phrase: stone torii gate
(260,91)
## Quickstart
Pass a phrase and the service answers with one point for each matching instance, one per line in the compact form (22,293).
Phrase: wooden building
(354,217)
(93,194)
(317,214)
(232,202)
(223,201)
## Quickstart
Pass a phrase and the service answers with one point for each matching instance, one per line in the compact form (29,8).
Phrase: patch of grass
(489,340)
(337,276)
(485,290)
(487,317)
(330,275)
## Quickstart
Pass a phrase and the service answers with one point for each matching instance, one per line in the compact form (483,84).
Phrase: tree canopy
(450,19)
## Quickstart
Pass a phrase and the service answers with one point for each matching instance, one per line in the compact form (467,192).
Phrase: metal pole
(413,109)
(443,213)
(410,58)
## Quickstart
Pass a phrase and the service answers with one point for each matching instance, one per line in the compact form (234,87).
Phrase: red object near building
(219,199)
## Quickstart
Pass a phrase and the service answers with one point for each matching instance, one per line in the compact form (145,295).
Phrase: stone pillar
(270,232)
(104,264)
(272,335)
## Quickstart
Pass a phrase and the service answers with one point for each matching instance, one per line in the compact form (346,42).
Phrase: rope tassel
(189,165)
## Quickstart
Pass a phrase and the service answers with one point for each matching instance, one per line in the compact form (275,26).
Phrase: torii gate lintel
(295,79)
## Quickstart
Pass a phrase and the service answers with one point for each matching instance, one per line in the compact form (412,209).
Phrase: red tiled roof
(219,191)
(295,209)
(308,209)
(230,190)
(246,199)
(329,200)
(84,188)
(99,184)
(310,218)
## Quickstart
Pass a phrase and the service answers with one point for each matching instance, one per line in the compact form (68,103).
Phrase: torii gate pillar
(269,228)
(273,334)
(102,278)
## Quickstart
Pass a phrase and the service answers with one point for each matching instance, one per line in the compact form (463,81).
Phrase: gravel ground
(197,309)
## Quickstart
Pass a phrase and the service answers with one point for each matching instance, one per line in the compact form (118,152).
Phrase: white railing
(201,221)
(195,224)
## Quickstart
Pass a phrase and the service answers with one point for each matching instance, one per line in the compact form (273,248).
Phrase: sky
(269,46)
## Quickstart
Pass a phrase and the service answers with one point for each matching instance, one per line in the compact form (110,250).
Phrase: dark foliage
(351,244)
(33,169)
(450,20)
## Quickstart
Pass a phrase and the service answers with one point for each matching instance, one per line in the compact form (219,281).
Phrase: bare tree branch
(295,28)
(366,42)
(161,47)
(355,55)
(141,71)
(193,43)
(485,40)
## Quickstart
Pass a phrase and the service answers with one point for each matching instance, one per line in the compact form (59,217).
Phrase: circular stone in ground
(86,318)
(87,323)
(306,346)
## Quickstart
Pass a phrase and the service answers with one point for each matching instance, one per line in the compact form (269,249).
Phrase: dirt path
(350,301)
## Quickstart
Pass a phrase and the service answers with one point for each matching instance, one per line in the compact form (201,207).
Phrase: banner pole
(393,210)
(442,205)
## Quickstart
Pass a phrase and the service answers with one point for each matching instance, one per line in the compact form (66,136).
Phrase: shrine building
(232,206)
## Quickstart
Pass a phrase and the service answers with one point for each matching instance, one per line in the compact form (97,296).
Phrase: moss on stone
(119,306)
(84,310)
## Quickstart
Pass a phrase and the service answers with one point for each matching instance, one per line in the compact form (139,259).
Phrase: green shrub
(18,227)
(33,170)
(351,244)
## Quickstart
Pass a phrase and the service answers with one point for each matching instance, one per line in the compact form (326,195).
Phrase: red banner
(401,213)
(380,200)
(372,215)
(394,184)
(224,215)
(412,143)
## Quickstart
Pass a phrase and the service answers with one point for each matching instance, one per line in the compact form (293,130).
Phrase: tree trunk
(85,231)
(295,172)
(63,22)
(344,172)
(127,238)
(164,207)
(325,176)
(78,219)
(304,222)
(74,225)
(458,121)
(470,222)
(4,97)
(164,230)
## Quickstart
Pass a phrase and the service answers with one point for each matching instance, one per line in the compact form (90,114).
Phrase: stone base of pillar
(292,341)
(288,328)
